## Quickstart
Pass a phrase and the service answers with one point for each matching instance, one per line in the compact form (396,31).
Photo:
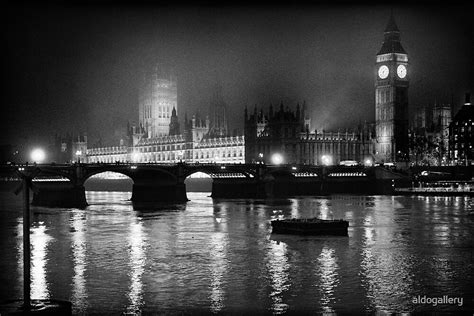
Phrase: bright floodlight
(277,159)
(78,153)
(326,160)
(38,155)
(368,162)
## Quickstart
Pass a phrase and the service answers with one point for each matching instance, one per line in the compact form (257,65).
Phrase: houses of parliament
(284,129)
(159,138)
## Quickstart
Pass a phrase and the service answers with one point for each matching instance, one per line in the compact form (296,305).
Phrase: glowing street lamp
(38,155)
(368,162)
(277,159)
(326,160)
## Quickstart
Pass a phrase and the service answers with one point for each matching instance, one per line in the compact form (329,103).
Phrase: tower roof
(391,25)
(391,43)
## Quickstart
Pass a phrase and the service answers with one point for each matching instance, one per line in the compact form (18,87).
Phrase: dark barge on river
(310,226)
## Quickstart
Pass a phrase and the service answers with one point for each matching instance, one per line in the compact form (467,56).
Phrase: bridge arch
(111,186)
(215,170)
(134,172)
(108,177)
(199,182)
(99,172)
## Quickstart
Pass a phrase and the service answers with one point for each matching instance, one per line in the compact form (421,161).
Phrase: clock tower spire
(391,97)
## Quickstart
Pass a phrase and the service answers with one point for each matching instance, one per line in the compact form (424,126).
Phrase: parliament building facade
(286,134)
(158,138)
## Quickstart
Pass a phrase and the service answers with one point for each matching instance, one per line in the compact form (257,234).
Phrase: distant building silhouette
(461,134)
(429,134)
(68,148)
(218,114)
(174,124)
(287,133)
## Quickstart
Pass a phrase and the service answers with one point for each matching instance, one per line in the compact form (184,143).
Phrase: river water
(220,256)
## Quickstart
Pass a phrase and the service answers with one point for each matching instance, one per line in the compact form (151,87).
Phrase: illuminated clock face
(401,71)
(383,72)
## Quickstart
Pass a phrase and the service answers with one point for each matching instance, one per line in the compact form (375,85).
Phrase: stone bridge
(63,185)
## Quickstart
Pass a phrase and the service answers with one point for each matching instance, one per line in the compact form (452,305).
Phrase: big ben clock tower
(391,97)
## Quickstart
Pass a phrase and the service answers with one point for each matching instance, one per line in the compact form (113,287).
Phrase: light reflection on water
(39,252)
(218,268)
(278,269)
(325,212)
(220,256)
(19,252)
(78,225)
(137,244)
(328,278)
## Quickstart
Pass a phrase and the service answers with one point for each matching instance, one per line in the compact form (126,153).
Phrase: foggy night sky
(75,68)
